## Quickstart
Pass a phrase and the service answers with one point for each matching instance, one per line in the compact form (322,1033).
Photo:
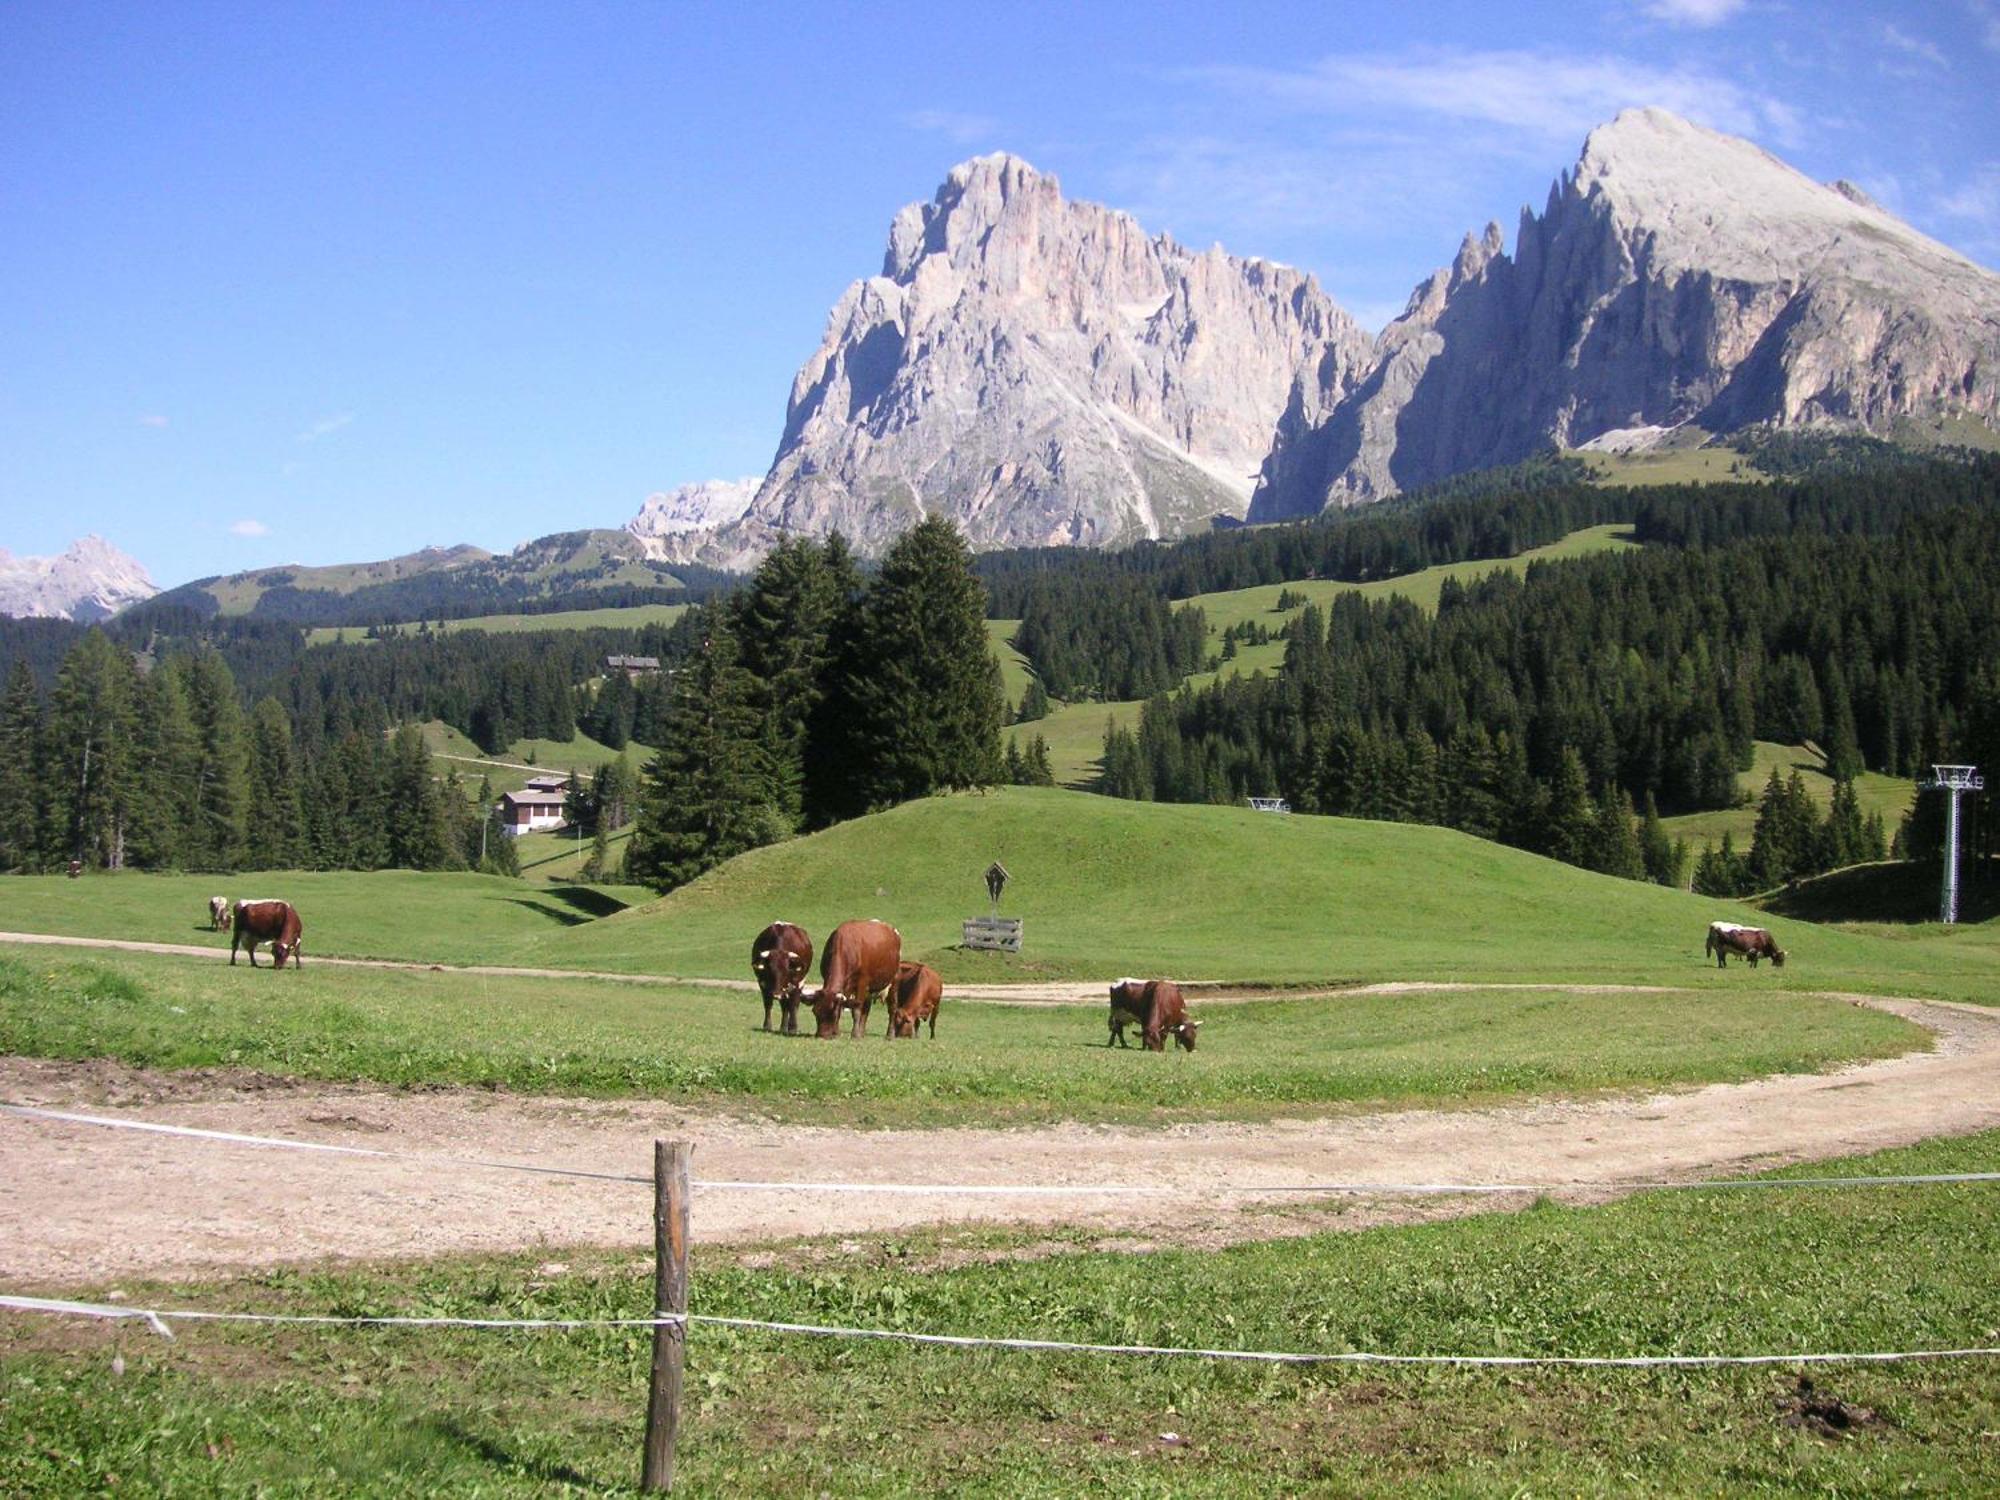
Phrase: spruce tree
(710,792)
(167,755)
(1571,825)
(1034,702)
(272,837)
(21,783)
(416,832)
(1665,859)
(914,705)
(221,798)
(89,769)
(1617,851)
(799,601)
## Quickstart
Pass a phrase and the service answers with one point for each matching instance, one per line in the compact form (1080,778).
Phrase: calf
(273,922)
(1156,1007)
(781,958)
(218,913)
(857,964)
(914,999)
(1752,943)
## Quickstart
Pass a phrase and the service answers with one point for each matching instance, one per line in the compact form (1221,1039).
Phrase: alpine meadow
(1419,841)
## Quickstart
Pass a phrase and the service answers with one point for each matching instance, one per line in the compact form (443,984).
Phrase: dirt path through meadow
(86,1205)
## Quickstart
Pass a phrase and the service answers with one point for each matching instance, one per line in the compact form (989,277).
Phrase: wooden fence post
(670,1295)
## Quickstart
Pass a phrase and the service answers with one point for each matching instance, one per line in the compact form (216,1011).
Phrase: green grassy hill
(1075,731)
(631,617)
(1887,795)
(1109,887)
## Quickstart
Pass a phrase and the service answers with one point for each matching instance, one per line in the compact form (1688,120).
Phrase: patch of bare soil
(86,1204)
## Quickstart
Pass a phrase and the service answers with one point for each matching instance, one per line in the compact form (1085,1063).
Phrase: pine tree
(167,755)
(21,783)
(1617,851)
(597,863)
(215,841)
(416,833)
(1787,833)
(914,704)
(1843,838)
(89,773)
(1721,872)
(800,604)
(1039,771)
(710,792)
(1571,825)
(1665,859)
(1034,702)
(272,836)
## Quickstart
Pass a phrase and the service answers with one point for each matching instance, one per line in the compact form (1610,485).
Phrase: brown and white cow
(273,922)
(1753,943)
(914,999)
(218,913)
(1155,1006)
(857,964)
(781,958)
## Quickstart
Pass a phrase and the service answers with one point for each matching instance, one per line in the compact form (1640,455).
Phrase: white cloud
(1978,200)
(248,527)
(958,128)
(152,419)
(1921,48)
(1550,99)
(1987,18)
(1692,12)
(326,426)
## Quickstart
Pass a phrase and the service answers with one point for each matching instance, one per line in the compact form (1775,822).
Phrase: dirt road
(86,1204)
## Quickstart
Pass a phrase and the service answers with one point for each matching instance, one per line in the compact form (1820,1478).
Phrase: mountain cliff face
(1042,372)
(697,508)
(93,580)
(1676,276)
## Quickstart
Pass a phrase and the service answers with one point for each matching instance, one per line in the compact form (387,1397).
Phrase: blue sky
(321,283)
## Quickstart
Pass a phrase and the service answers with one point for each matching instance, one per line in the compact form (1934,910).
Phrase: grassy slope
(1106,887)
(1109,887)
(1714,464)
(453,751)
(629,618)
(469,919)
(1887,795)
(1075,732)
(989,1064)
(295,1411)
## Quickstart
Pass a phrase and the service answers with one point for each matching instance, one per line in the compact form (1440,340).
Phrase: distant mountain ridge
(567,569)
(1043,371)
(1677,276)
(92,580)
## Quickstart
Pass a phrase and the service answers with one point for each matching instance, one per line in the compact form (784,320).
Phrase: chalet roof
(634,663)
(529,797)
(547,782)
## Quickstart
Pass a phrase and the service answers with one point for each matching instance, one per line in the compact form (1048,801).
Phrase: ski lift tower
(1951,780)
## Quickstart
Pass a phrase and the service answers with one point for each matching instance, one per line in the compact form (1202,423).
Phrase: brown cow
(273,922)
(857,964)
(218,913)
(914,999)
(781,958)
(1156,1007)
(1753,943)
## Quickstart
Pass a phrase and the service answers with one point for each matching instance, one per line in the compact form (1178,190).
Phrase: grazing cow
(857,964)
(1156,1007)
(273,922)
(781,958)
(218,913)
(914,999)
(1753,943)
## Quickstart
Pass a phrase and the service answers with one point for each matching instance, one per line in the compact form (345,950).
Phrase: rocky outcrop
(93,580)
(1043,372)
(667,520)
(1676,276)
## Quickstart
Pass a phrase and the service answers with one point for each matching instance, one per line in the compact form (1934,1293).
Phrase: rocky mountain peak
(1677,276)
(1043,371)
(91,580)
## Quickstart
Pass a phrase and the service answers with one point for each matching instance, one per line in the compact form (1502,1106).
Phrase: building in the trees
(633,667)
(532,809)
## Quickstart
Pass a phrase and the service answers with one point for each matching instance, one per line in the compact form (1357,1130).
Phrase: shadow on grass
(553,913)
(501,1458)
(1904,891)
(590,901)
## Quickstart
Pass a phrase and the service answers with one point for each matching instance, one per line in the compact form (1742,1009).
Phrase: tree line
(1527,704)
